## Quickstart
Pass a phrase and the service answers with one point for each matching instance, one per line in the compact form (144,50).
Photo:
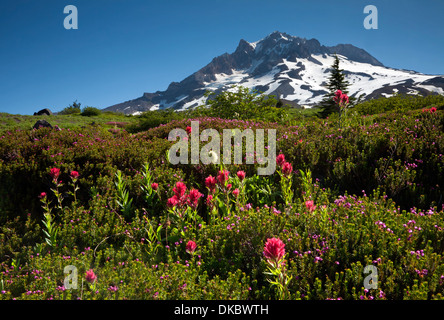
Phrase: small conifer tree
(336,82)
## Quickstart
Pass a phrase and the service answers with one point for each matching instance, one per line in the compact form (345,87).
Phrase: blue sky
(123,48)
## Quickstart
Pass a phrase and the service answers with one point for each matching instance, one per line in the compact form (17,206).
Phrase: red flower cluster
(191,247)
(285,166)
(90,276)
(181,198)
(172,202)
(209,200)
(222,177)
(210,182)
(74,175)
(188,129)
(241,175)
(193,198)
(180,189)
(341,98)
(309,204)
(280,160)
(274,250)
(431,110)
(54,173)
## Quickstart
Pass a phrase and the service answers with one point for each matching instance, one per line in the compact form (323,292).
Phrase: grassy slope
(111,120)
(107,119)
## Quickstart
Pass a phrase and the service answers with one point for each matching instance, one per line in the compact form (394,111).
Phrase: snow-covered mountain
(293,69)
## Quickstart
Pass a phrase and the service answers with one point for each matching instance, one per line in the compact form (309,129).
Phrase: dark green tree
(336,81)
(72,109)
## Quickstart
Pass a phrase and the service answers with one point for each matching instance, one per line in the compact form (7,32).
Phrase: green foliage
(50,230)
(243,104)
(398,103)
(123,199)
(152,119)
(90,112)
(73,108)
(151,195)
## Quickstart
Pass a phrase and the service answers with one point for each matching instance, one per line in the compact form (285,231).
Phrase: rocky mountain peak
(290,67)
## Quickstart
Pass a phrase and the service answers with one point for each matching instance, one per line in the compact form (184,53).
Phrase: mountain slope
(292,68)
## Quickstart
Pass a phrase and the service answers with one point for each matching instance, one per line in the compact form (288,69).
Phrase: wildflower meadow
(353,211)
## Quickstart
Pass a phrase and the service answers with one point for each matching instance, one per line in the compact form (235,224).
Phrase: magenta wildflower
(287,168)
(241,175)
(210,182)
(193,198)
(74,175)
(309,204)
(191,246)
(274,250)
(90,276)
(54,173)
(172,202)
(180,189)
(222,177)
(280,160)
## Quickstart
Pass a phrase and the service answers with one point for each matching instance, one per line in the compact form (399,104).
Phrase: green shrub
(243,104)
(71,109)
(398,103)
(153,119)
(90,112)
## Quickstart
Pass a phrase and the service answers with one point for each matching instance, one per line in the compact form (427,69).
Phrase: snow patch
(194,103)
(167,105)
(431,88)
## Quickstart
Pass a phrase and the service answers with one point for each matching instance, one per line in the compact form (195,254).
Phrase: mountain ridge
(293,68)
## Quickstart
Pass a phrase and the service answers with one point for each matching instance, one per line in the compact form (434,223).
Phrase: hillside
(364,192)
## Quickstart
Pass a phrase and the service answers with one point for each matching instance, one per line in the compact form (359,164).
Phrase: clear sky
(123,48)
